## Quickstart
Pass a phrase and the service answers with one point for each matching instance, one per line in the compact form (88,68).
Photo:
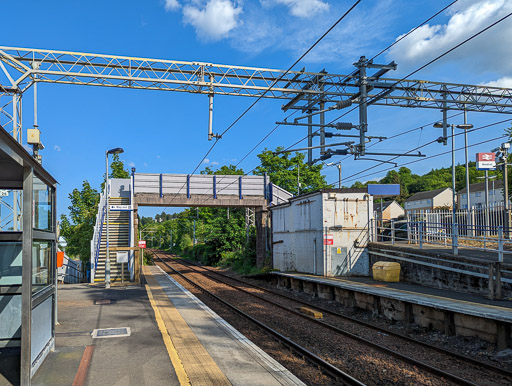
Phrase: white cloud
(301,8)
(145,164)
(273,29)
(490,51)
(158,156)
(505,82)
(206,161)
(56,148)
(131,164)
(172,5)
(214,20)
(215,163)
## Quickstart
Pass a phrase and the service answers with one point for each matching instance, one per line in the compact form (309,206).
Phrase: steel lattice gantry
(20,68)
(23,66)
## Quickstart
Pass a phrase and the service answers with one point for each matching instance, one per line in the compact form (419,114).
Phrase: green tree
(284,170)
(78,229)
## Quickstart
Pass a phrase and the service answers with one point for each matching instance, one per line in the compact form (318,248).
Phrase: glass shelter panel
(42,251)
(10,263)
(42,205)
(11,219)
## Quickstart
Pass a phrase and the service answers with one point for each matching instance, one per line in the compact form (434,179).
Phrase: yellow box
(386,271)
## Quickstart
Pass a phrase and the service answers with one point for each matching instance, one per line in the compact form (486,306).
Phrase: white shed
(323,233)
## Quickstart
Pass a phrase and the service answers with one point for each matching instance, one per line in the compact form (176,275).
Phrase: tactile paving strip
(199,365)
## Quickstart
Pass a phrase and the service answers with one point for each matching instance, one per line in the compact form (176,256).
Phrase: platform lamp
(116,150)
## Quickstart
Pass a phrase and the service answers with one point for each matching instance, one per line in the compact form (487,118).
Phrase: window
(41,271)
(464,196)
(478,194)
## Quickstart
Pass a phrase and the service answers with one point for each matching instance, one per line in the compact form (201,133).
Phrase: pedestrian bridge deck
(206,190)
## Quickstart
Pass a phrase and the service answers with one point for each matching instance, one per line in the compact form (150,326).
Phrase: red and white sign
(328,239)
(485,161)
(142,243)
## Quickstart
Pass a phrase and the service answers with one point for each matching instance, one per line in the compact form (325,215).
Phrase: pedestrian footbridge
(173,190)
(196,190)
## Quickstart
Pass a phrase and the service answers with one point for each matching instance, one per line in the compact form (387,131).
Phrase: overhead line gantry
(300,90)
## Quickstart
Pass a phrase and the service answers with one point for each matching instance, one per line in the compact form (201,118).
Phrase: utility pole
(339,171)
(298,180)
(504,150)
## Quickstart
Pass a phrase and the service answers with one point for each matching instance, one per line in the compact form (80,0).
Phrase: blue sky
(163,132)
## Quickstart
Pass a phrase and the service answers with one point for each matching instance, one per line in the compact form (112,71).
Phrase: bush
(147,257)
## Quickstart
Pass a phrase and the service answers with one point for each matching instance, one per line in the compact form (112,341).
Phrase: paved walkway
(173,339)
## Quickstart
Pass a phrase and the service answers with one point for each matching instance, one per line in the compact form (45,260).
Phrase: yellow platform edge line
(171,350)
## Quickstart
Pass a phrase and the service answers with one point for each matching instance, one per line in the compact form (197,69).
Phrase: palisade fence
(477,228)
(479,222)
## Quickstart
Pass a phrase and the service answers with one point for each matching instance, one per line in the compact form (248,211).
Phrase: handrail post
(455,239)
(214,187)
(392,232)
(420,231)
(161,187)
(188,185)
(500,243)
(240,188)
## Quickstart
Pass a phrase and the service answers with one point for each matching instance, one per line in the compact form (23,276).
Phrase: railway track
(487,367)
(338,375)
(462,364)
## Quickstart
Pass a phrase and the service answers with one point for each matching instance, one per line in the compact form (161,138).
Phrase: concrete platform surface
(139,359)
(436,298)
(174,339)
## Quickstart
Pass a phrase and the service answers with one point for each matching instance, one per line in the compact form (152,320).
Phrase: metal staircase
(119,236)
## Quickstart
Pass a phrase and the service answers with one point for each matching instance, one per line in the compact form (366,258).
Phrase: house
(477,195)
(429,200)
(389,210)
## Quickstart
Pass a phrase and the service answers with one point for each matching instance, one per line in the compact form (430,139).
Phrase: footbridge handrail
(96,239)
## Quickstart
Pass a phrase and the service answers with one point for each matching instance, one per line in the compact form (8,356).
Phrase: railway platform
(452,312)
(150,335)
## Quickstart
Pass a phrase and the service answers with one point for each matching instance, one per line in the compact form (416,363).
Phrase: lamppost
(463,126)
(339,172)
(116,150)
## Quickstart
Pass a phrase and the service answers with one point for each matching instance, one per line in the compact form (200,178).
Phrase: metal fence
(478,229)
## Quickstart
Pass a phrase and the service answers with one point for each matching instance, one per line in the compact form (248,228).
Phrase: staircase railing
(96,239)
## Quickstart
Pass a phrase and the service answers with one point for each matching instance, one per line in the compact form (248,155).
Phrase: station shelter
(27,262)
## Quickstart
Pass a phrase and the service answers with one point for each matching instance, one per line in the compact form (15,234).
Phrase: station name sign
(485,161)
(120,207)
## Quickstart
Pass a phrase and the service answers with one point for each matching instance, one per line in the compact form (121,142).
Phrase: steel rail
(431,369)
(316,360)
(499,370)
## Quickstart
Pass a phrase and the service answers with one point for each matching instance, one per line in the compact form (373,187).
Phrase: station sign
(383,190)
(485,161)
(122,257)
(120,207)
(4,193)
(142,243)
(328,239)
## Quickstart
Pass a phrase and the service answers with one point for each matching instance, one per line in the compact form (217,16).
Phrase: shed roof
(13,158)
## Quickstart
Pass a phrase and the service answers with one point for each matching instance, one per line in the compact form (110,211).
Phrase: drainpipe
(314,254)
